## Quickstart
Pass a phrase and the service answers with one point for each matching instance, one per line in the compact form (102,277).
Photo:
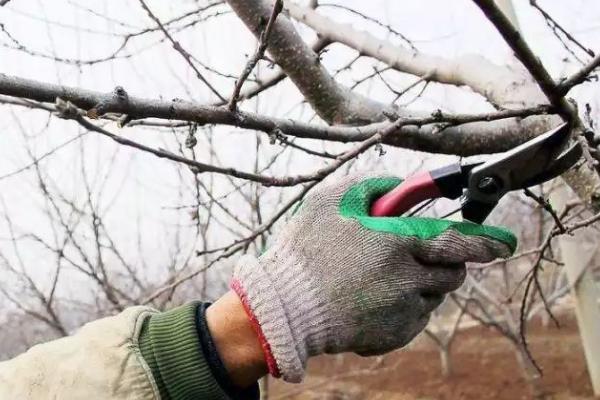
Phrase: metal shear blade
(482,184)
(533,162)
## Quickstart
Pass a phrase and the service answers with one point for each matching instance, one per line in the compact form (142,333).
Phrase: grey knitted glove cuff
(282,309)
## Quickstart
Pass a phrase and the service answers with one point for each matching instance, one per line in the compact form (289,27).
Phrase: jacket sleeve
(139,354)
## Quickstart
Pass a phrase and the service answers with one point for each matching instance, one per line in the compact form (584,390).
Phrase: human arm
(336,280)
(142,354)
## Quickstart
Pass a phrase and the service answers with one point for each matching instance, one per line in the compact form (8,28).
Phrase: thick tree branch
(500,85)
(465,135)
(332,101)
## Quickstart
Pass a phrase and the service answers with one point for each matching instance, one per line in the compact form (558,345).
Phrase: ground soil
(484,367)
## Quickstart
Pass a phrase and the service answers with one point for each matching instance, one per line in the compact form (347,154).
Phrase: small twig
(546,206)
(579,76)
(348,65)
(287,142)
(424,78)
(319,45)
(43,156)
(234,247)
(523,322)
(400,93)
(263,42)
(364,79)
(556,26)
(177,46)
(582,224)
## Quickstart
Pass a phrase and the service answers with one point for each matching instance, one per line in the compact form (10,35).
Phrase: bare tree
(225,201)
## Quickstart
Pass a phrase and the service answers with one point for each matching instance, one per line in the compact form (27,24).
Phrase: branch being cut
(68,111)
(524,53)
(463,134)
(585,180)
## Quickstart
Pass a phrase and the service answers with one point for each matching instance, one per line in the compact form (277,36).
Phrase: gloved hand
(339,280)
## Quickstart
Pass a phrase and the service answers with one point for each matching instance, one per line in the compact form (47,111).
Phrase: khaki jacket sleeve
(139,354)
(101,361)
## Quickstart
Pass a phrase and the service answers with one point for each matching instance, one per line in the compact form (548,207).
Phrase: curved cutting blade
(562,163)
(532,162)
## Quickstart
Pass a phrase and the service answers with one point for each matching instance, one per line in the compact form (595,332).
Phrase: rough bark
(501,85)
(332,101)
(464,139)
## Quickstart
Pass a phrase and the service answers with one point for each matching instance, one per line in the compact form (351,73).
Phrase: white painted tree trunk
(445,361)
(530,373)
(577,255)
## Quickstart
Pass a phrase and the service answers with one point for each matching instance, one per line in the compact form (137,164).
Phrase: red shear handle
(405,196)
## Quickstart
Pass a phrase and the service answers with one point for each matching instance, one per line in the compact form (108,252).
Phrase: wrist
(282,306)
(235,340)
(170,346)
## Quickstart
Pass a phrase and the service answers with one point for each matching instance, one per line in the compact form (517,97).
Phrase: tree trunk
(445,361)
(577,253)
(530,372)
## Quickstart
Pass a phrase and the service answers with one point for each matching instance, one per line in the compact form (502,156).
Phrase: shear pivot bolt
(489,185)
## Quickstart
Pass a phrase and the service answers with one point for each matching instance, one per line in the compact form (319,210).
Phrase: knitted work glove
(339,280)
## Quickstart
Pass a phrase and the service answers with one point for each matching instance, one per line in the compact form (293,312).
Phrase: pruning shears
(483,183)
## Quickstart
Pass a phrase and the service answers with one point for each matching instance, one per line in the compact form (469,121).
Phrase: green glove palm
(356,204)
(340,280)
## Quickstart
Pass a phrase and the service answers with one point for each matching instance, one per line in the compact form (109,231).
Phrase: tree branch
(332,101)
(524,53)
(68,111)
(177,46)
(585,181)
(578,77)
(511,128)
(500,85)
(258,55)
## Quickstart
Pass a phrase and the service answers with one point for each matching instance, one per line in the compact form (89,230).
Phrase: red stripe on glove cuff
(236,286)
